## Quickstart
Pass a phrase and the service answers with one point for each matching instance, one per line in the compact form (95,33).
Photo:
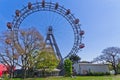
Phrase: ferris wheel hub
(50,28)
(20,15)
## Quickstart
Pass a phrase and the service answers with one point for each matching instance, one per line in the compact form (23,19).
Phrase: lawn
(77,78)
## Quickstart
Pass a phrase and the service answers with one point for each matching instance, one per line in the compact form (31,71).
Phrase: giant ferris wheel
(74,23)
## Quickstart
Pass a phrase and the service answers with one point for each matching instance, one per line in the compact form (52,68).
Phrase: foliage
(21,53)
(74,58)
(118,68)
(110,67)
(30,40)
(47,60)
(97,74)
(85,62)
(110,55)
(68,67)
(6,77)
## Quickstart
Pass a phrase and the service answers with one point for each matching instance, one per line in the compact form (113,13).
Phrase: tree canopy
(20,53)
(74,58)
(68,67)
(47,60)
(110,55)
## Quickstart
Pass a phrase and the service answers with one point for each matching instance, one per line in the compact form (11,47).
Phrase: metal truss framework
(50,41)
(20,15)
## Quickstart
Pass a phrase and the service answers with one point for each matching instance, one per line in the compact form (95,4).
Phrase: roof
(47,69)
(91,64)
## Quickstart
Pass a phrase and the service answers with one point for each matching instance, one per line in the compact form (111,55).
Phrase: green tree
(74,58)
(47,61)
(68,67)
(118,68)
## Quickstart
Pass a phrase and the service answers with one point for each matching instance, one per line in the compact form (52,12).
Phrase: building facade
(85,68)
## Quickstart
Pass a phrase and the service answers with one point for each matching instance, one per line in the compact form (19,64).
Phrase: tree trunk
(114,65)
(43,73)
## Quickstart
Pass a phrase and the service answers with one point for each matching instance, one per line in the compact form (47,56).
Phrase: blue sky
(99,19)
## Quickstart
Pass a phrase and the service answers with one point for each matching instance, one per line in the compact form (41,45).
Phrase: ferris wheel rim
(49,6)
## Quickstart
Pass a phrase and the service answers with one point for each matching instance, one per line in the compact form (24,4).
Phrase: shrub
(68,67)
(98,74)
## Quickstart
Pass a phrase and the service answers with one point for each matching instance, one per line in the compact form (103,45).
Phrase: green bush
(98,74)
(68,67)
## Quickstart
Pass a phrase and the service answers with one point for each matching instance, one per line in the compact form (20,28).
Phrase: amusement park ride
(20,15)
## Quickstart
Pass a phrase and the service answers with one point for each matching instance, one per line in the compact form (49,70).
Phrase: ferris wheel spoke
(52,20)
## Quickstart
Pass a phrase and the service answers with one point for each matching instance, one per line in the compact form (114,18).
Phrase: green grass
(77,78)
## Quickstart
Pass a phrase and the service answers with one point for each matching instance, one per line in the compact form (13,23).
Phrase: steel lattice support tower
(50,41)
(21,14)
